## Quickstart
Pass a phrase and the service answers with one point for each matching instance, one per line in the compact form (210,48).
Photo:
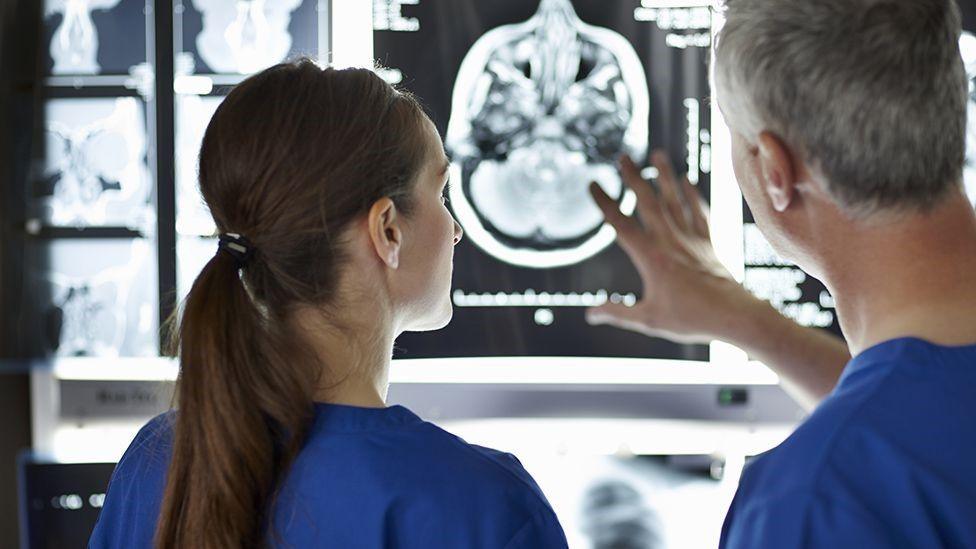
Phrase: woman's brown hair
(291,157)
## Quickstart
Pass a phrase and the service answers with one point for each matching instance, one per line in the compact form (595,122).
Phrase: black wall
(19,31)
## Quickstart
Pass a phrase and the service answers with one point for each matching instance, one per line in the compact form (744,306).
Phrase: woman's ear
(385,232)
(778,171)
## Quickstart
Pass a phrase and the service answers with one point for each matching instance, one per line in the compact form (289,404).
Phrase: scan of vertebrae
(967,45)
(244,36)
(74,46)
(540,109)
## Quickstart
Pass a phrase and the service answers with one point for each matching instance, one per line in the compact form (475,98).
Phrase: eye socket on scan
(541,109)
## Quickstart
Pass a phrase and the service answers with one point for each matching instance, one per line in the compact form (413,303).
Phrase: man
(848,129)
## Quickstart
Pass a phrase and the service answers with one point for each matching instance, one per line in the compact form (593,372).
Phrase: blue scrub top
(366,478)
(887,460)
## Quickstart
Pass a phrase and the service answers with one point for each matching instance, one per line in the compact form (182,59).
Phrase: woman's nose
(458,232)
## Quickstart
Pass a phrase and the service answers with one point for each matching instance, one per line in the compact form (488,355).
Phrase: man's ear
(385,233)
(776,164)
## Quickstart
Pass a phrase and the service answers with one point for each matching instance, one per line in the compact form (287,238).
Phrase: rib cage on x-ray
(541,109)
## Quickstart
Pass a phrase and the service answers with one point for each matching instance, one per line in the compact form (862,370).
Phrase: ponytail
(243,412)
(292,156)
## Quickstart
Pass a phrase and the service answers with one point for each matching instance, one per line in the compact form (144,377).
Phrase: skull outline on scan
(539,110)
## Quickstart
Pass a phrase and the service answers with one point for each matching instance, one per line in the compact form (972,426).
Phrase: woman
(328,189)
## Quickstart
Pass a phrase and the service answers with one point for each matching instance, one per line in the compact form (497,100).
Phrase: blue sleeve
(803,519)
(131,507)
(540,531)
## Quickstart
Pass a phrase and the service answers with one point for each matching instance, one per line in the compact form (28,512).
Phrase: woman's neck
(354,356)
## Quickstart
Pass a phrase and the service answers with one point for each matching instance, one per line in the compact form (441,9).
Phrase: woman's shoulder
(420,480)
(496,468)
(128,515)
(149,450)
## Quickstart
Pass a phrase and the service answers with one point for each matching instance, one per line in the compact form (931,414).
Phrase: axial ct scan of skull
(541,109)
(536,100)
(967,45)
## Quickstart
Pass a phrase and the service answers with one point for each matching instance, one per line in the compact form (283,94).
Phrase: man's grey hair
(871,92)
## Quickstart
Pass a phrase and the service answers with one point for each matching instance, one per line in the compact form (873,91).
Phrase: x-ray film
(100,298)
(193,114)
(784,285)
(88,37)
(536,99)
(95,166)
(192,253)
(245,36)
(967,46)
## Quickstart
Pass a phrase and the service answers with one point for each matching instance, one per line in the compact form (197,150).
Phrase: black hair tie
(237,246)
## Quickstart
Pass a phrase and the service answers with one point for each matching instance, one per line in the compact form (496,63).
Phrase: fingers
(648,207)
(628,229)
(696,208)
(668,184)
(619,316)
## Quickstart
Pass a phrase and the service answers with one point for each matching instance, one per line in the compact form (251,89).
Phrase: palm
(670,245)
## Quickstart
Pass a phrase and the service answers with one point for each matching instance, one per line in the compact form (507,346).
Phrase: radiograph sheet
(536,99)
(967,46)
(88,37)
(95,164)
(97,297)
(245,36)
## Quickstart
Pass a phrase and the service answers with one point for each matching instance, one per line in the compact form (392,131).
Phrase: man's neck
(911,277)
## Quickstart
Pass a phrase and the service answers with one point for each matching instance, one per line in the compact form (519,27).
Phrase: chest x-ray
(540,109)
(967,45)
(95,164)
(536,99)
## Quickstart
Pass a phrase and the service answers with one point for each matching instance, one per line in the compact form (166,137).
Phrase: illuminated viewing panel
(967,45)
(535,100)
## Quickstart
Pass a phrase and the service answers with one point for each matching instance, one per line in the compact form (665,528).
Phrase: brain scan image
(967,45)
(540,109)
(95,163)
(244,36)
(536,100)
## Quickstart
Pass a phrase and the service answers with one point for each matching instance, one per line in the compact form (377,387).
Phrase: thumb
(617,315)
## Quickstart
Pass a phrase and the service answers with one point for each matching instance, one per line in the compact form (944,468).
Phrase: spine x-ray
(535,100)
